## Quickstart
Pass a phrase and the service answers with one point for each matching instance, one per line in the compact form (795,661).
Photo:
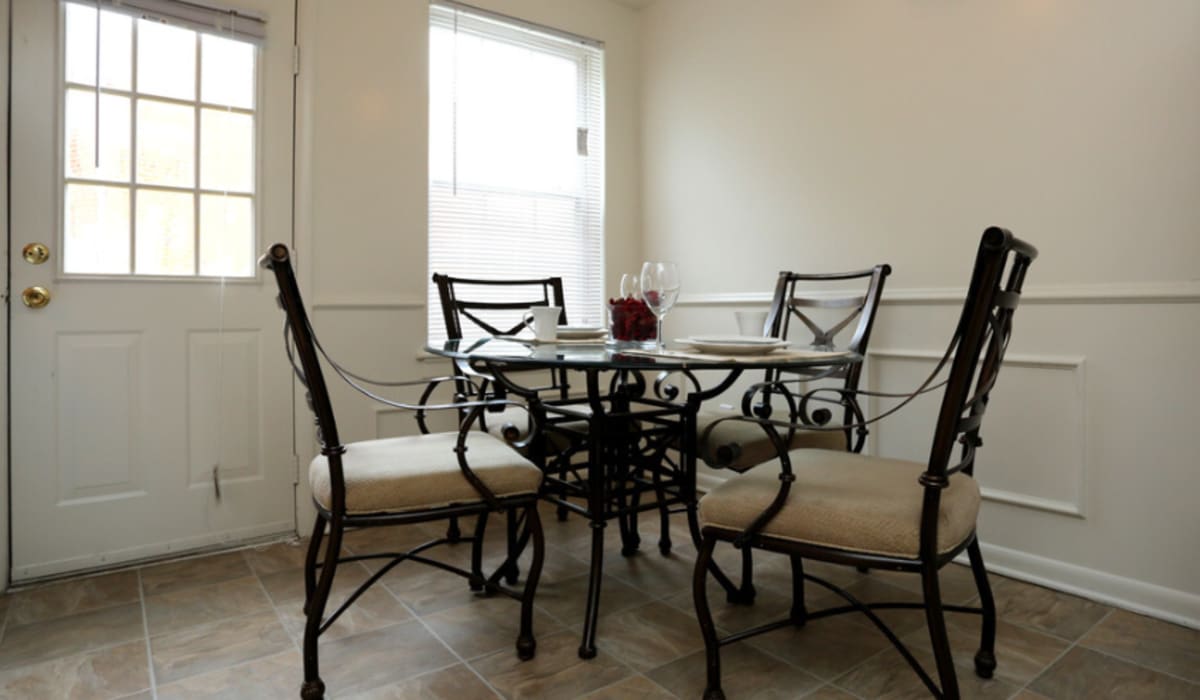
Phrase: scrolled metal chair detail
(851,509)
(421,478)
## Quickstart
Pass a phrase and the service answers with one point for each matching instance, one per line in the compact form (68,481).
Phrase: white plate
(735,344)
(581,332)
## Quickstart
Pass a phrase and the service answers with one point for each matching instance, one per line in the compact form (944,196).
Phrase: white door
(151,406)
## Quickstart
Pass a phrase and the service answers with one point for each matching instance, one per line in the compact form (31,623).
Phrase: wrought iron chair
(851,509)
(495,307)
(740,445)
(404,480)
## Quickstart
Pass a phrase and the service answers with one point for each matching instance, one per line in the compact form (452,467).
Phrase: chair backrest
(979,343)
(491,305)
(797,295)
(278,260)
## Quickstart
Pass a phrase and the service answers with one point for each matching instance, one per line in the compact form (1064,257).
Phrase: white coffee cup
(544,322)
(751,322)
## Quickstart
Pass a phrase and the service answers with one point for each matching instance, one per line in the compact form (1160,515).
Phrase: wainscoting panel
(1034,453)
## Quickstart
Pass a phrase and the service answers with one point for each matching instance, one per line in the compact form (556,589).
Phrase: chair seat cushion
(740,445)
(845,501)
(421,471)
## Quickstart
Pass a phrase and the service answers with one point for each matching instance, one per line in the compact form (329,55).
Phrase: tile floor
(229,626)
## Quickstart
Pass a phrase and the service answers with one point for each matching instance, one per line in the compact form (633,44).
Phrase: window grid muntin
(131,185)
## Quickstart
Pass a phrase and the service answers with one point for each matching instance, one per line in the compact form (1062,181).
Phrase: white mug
(544,322)
(751,322)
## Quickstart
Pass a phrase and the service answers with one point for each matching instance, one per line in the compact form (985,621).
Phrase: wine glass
(660,289)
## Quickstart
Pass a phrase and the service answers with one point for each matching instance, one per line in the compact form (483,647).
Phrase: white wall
(362,191)
(822,136)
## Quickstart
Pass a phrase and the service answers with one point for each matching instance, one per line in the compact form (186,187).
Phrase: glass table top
(576,355)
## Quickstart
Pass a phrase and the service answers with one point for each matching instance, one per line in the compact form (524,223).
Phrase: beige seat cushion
(845,501)
(748,445)
(421,471)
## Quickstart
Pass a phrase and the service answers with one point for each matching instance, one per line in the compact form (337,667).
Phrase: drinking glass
(660,289)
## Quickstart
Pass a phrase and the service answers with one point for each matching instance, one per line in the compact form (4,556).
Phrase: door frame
(298,227)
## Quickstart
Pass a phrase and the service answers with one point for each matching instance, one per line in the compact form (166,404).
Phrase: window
(516,157)
(163,183)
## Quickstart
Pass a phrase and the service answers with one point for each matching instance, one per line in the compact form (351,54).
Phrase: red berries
(631,319)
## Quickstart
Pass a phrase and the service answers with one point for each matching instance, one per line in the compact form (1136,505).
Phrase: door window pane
(116,32)
(165,233)
(226,72)
(226,236)
(166,60)
(166,154)
(96,230)
(172,192)
(226,151)
(80,133)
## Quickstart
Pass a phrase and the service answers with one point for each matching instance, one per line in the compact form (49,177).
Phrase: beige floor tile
(277,556)
(957,583)
(634,688)
(381,657)
(72,597)
(887,675)
(1055,613)
(1021,653)
(455,683)
(746,674)
(829,692)
(650,571)
(392,538)
(288,586)
(112,672)
(214,646)
(728,617)
(650,636)
(278,676)
(192,573)
(374,609)
(557,565)
(555,673)
(144,695)
(180,609)
(486,625)
(426,589)
(1027,694)
(1159,645)
(872,590)
(567,599)
(1083,673)
(825,648)
(40,641)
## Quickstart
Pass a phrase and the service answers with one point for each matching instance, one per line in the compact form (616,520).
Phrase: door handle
(35,297)
(35,253)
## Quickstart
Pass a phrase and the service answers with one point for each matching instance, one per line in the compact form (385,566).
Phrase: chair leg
(453,533)
(514,570)
(526,644)
(712,648)
(799,612)
(310,561)
(314,687)
(587,648)
(985,658)
(477,579)
(937,631)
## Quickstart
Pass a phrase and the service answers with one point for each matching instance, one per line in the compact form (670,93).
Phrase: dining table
(633,416)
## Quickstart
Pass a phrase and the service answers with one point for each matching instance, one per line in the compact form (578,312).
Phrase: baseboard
(1168,604)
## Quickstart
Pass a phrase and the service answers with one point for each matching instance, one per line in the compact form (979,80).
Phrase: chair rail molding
(1076,364)
(1181,292)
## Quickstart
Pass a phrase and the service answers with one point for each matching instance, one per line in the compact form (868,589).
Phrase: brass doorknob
(35,297)
(35,253)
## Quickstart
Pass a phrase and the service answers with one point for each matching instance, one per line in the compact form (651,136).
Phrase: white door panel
(127,392)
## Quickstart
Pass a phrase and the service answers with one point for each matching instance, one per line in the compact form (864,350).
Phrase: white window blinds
(516,157)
